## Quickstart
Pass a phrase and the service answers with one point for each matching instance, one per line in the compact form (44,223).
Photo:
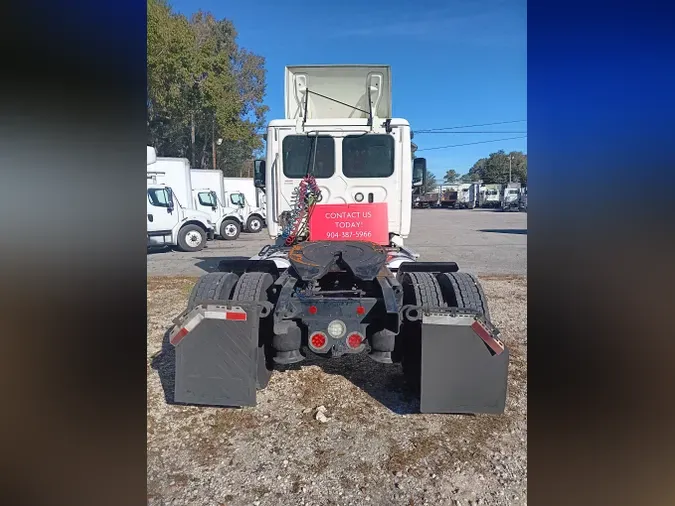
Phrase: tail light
(318,340)
(354,340)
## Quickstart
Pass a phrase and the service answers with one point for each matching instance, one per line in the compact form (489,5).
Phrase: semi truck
(468,195)
(491,195)
(426,200)
(510,198)
(448,197)
(337,278)
(171,221)
(523,199)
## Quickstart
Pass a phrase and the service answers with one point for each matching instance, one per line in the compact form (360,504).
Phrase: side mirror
(419,171)
(169,200)
(259,174)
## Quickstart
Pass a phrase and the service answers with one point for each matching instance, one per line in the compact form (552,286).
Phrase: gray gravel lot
(374,449)
(481,241)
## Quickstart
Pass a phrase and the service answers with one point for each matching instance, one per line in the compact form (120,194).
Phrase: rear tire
(230,229)
(254,287)
(463,290)
(419,289)
(422,289)
(212,286)
(191,238)
(254,224)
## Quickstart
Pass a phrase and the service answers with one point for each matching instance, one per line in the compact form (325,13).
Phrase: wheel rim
(230,230)
(255,225)
(193,239)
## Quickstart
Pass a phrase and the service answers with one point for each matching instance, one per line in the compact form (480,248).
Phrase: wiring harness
(305,196)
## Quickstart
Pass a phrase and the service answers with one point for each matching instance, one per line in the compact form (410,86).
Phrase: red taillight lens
(360,310)
(354,340)
(312,309)
(318,340)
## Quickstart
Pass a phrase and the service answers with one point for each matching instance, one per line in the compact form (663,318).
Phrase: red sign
(350,222)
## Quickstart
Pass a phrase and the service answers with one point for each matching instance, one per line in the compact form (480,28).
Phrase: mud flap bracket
(464,364)
(217,354)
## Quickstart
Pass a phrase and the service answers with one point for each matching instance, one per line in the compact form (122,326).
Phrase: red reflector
(235,316)
(354,340)
(178,337)
(360,310)
(318,340)
(494,344)
(312,309)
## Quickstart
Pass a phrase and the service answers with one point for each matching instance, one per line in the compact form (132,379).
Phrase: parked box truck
(171,221)
(254,205)
(208,195)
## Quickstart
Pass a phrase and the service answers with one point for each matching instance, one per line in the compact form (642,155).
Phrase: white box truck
(208,195)
(170,220)
(253,207)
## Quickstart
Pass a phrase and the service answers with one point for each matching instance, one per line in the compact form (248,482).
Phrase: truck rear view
(338,279)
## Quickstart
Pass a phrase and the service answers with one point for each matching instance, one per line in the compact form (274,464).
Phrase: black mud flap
(464,365)
(217,355)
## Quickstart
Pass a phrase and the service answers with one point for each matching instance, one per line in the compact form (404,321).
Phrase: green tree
(451,176)
(171,69)
(202,84)
(495,168)
(430,184)
(477,171)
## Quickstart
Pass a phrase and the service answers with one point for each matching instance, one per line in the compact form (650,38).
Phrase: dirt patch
(375,449)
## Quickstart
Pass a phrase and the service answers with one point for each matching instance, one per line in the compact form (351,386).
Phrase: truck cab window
(370,155)
(237,199)
(298,156)
(206,199)
(158,197)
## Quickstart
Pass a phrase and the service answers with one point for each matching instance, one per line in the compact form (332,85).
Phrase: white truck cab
(338,128)
(169,222)
(209,196)
(510,199)
(492,195)
(240,192)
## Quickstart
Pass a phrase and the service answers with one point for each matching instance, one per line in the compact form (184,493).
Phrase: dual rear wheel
(250,287)
(453,289)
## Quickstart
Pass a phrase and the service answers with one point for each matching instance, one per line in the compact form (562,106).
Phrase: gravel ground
(373,449)
(482,241)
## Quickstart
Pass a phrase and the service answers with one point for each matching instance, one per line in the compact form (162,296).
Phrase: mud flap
(217,355)
(464,365)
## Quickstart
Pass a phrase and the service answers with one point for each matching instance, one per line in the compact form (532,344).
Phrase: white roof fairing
(349,84)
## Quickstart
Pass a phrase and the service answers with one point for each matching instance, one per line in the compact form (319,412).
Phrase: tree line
(204,92)
(494,169)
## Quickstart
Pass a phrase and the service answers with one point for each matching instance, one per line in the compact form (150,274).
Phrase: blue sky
(454,62)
